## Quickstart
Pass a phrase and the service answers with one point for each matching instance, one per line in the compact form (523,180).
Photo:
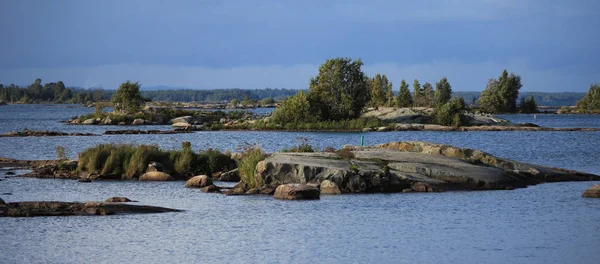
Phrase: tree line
(52,92)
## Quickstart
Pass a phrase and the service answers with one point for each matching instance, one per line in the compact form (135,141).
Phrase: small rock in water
(592,192)
(118,200)
(296,192)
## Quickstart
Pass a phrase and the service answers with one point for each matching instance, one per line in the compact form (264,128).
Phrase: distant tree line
(53,92)
(217,95)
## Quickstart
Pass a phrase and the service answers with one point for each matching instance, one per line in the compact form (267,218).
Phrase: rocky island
(409,166)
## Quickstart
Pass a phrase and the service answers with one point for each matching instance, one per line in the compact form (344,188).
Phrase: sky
(209,44)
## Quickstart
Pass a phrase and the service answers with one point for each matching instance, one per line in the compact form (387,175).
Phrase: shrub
(247,166)
(449,114)
(303,146)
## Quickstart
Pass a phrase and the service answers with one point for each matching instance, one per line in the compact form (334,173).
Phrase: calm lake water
(548,223)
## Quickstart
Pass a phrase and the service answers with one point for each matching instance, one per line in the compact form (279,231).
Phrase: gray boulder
(91,121)
(138,122)
(231,176)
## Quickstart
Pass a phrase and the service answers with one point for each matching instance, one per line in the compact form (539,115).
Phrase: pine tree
(404,97)
(443,91)
(418,95)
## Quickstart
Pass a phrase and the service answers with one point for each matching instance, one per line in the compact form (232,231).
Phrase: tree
(294,109)
(528,105)
(127,99)
(500,96)
(404,97)
(379,87)
(339,91)
(428,95)
(234,102)
(418,94)
(443,91)
(489,100)
(389,96)
(590,103)
(267,101)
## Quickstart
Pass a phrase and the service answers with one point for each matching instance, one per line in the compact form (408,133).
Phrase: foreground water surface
(548,223)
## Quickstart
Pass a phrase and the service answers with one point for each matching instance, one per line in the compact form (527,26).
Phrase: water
(548,223)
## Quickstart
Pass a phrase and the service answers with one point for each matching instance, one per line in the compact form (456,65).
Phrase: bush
(247,166)
(450,113)
(303,146)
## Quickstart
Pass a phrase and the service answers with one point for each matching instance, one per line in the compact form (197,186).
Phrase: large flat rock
(410,165)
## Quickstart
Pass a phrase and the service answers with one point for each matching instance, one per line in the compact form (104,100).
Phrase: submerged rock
(592,192)
(211,189)
(296,192)
(29,209)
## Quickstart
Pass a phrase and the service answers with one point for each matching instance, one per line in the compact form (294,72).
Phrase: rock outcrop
(28,209)
(296,192)
(407,166)
(592,192)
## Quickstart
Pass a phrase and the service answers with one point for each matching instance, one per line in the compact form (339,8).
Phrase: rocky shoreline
(394,167)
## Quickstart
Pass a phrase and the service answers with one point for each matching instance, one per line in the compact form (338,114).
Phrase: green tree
(127,99)
(379,86)
(234,102)
(489,100)
(404,97)
(428,95)
(267,101)
(443,91)
(528,105)
(590,103)
(509,91)
(294,109)
(339,91)
(418,94)
(500,96)
(389,95)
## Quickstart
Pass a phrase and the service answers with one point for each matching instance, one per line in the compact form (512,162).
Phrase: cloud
(463,76)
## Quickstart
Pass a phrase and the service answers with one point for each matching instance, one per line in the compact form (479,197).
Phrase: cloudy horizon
(215,44)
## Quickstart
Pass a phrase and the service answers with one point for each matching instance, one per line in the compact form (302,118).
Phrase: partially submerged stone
(117,199)
(155,176)
(296,192)
(592,192)
(329,187)
(199,181)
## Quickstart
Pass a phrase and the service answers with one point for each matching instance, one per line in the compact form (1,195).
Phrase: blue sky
(552,44)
